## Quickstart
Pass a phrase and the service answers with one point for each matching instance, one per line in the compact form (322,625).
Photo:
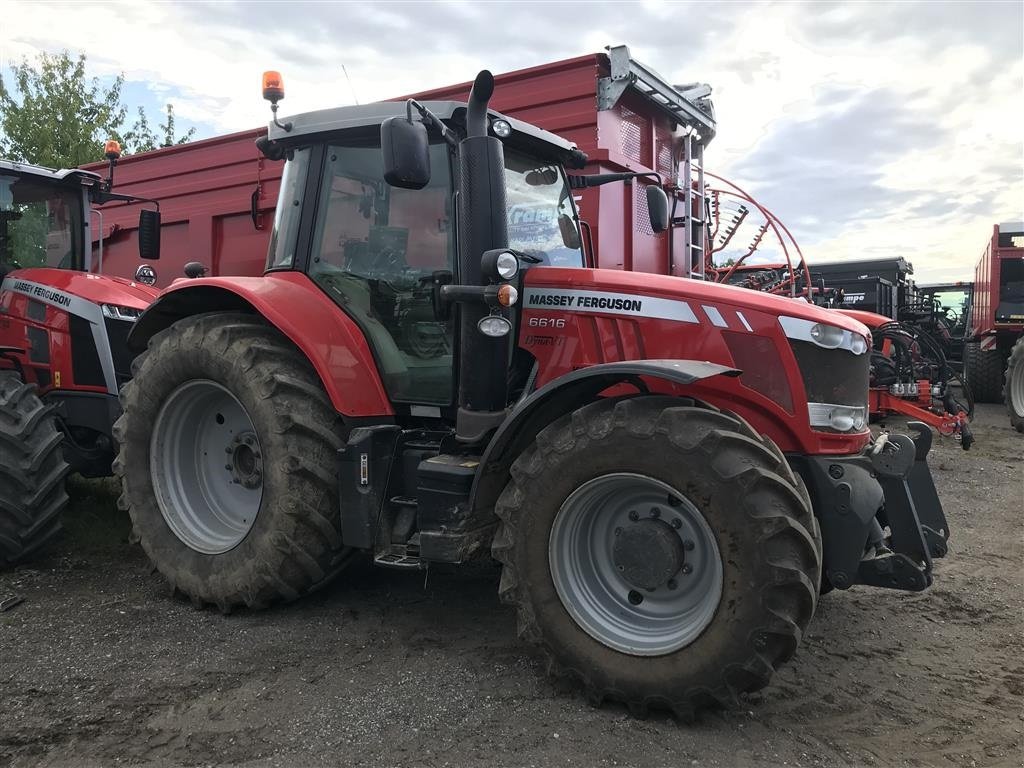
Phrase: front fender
(290,302)
(563,395)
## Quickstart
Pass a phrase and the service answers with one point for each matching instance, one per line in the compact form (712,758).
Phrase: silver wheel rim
(1015,386)
(590,581)
(206,466)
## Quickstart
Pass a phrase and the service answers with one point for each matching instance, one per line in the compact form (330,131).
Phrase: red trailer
(217,196)
(994,353)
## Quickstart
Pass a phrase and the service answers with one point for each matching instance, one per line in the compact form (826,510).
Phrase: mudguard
(563,395)
(290,302)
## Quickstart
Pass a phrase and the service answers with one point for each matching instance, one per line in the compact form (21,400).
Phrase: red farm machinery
(63,343)
(668,470)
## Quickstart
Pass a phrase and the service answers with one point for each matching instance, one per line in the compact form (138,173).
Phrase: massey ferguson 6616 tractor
(668,470)
(63,342)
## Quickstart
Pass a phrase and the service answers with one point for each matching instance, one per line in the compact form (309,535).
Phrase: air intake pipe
(483,360)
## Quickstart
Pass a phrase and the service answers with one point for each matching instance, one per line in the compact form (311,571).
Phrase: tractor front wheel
(662,555)
(228,449)
(1015,385)
(32,471)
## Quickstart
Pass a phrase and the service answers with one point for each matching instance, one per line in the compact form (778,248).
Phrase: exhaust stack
(483,226)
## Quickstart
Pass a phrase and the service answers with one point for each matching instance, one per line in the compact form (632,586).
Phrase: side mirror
(567,228)
(149,234)
(406,151)
(657,207)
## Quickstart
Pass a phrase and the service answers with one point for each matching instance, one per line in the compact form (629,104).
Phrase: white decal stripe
(603,302)
(988,343)
(744,321)
(714,316)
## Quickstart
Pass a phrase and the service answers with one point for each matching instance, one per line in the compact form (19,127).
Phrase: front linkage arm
(889,486)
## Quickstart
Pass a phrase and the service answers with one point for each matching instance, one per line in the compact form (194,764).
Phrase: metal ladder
(695,227)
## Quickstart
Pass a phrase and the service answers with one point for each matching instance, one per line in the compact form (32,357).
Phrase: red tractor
(63,343)
(668,470)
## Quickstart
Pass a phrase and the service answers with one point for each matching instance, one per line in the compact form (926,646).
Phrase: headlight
(502,128)
(117,312)
(494,326)
(507,266)
(823,335)
(841,418)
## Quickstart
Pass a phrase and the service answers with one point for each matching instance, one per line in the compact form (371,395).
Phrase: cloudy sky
(871,129)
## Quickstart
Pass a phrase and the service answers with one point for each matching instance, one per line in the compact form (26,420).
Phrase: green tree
(52,114)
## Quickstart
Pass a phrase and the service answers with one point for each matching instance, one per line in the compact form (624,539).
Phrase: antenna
(350,84)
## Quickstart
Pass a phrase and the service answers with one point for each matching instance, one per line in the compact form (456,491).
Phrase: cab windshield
(541,220)
(40,224)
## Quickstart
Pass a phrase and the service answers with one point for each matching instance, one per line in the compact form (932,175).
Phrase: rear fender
(329,338)
(566,394)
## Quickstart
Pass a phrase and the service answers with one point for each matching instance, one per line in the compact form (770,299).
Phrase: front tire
(32,472)
(1015,385)
(748,535)
(228,448)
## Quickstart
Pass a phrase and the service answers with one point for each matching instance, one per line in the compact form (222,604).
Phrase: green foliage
(52,114)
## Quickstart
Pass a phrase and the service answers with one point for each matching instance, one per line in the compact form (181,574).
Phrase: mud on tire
(294,542)
(32,471)
(766,534)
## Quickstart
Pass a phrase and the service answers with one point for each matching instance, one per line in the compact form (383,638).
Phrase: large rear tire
(32,471)
(228,451)
(591,562)
(1015,385)
(983,372)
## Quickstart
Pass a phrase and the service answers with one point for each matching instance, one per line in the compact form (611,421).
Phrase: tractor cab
(44,217)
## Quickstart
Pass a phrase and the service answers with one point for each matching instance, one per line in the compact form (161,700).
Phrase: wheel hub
(246,461)
(648,553)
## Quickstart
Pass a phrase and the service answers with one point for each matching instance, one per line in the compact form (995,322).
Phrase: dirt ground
(101,666)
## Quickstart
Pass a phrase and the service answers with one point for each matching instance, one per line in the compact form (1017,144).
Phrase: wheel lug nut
(618,531)
(677,523)
(228,449)
(672,584)
(687,568)
(227,467)
(688,545)
(655,512)
(633,515)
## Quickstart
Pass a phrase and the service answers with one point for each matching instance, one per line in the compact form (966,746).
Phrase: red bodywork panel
(706,317)
(35,309)
(206,188)
(870,319)
(327,336)
(987,275)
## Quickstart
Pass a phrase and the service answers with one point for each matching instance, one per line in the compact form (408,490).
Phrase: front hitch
(881,519)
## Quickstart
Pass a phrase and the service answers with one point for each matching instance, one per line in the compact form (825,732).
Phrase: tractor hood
(53,286)
(619,292)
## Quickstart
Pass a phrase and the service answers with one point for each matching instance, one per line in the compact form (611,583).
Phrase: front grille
(117,335)
(832,375)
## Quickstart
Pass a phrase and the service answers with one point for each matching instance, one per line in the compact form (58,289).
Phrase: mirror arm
(431,119)
(597,179)
(102,198)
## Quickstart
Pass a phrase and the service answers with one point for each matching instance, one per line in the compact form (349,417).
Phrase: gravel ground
(101,666)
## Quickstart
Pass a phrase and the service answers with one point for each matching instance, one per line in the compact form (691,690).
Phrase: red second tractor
(63,344)
(668,470)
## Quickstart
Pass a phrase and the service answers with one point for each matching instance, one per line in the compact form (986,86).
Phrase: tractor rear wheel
(1015,385)
(228,449)
(32,471)
(983,372)
(663,556)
